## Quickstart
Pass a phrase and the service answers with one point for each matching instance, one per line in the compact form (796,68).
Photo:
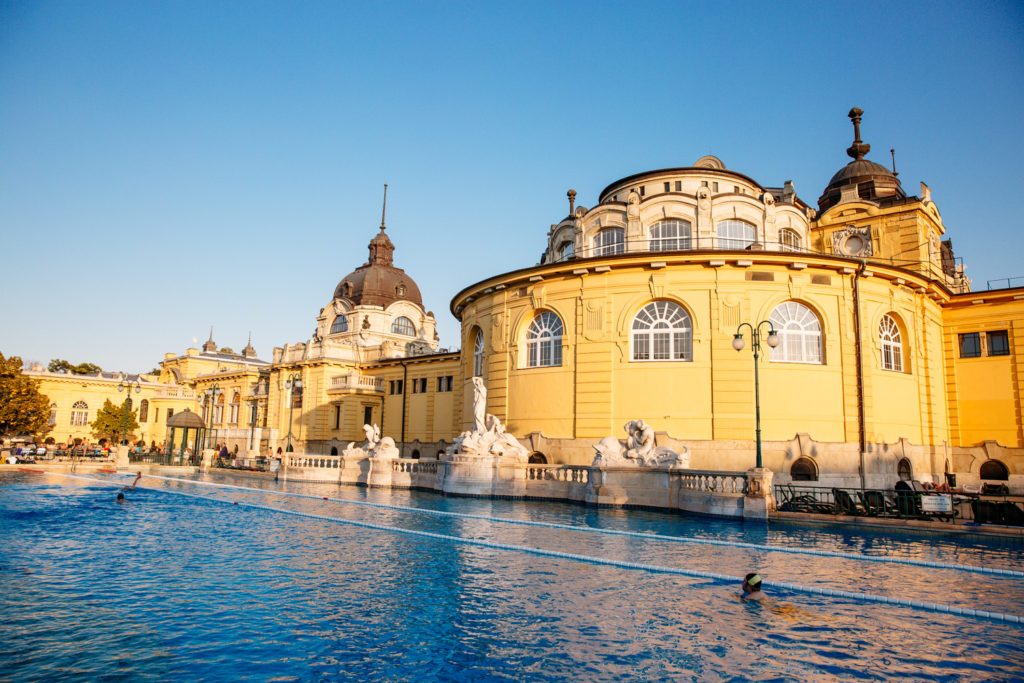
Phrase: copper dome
(377,282)
(873,181)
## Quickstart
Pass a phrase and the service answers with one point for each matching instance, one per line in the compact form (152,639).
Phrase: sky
(166,167)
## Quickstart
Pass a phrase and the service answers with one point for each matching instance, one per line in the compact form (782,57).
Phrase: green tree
(226,349)
(23,410)
(61,365)
(109,423)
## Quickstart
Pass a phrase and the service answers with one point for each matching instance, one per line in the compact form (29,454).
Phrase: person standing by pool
(752,587)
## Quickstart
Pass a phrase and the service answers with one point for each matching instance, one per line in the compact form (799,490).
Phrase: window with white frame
(609,241)
(662,331)
(789,240)
(218,410)
(734,234)
(53,415)
(144,410)
(892,344)
(478,354)
(340,325)
(403,325)
(799,334)
(670,235)
(236,402)
(566,250)
(79,414)
(544,341)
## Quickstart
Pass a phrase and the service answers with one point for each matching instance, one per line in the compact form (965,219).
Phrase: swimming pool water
(173,587)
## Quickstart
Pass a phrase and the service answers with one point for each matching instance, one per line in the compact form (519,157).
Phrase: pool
(183,583)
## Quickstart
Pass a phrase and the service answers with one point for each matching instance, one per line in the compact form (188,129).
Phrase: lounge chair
(845,504)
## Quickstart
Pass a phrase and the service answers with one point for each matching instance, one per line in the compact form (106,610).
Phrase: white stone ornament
(638,450)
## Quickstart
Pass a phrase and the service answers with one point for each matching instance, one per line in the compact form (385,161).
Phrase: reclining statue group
(489,438)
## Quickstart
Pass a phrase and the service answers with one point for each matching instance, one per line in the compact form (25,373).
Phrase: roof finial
(893,153)
(385,207)
(858,149)
(571,194)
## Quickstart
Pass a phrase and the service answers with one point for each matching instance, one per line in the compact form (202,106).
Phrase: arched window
(144,410)
(544,341)
(799,334)
(537,458)
(415,454)
(340,325)
(670,235)
(334,450)
(789,240)
(662,331)
(610,241)
(993,469)
(403,325)
(478,353)
(218,410)
(804,469)
(904,470)
(79,414)
(892,344)
(566,250)
(53,415)
(733,234)
(236,401)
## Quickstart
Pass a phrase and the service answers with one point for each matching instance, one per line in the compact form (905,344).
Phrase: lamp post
(127,385)
(253,402)
(294,382)
(211,396)
(738,343)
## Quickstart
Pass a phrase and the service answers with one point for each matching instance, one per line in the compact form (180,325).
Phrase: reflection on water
(166,586)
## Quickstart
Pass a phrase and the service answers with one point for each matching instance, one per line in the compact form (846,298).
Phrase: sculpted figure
(372,436)
(641,440)
(479,404)
(638,450)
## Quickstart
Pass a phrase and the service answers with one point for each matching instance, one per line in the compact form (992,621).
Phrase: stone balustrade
(705,480)
(353,382)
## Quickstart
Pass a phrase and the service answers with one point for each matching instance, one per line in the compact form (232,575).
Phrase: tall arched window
(79,414)
(340,325)
(53,415)
(236,402)
(218,410)
(144,410)
(478,353)
(610,241)
(544,341)
(892,344)
(804,469)
(670,235)
(566,250)
(403,325)
(662,331)
(789,240)
(799,334)
(734,234)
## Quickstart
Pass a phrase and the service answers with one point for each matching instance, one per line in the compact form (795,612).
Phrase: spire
(249,351)
(893,153)
(858,149)
(381,248)
(210,345)
(571,194)
(384,208)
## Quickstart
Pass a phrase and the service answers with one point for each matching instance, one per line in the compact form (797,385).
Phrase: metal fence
(952,506)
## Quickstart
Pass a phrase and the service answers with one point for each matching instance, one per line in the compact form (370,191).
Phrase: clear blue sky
(168,166)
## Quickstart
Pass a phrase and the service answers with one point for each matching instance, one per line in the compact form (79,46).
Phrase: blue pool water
(169,586)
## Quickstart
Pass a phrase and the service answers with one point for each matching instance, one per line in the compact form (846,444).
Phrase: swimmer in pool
(752,587)
(120,496)
(132,487)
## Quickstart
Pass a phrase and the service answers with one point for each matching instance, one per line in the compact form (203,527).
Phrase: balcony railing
(357,383)
(174,392)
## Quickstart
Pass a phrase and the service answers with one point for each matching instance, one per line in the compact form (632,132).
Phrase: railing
(1008,280)
(358,383)
(314,461)
(710,481)
(577,474)
(174,392)
(948,506)
(678,244)
(411,466)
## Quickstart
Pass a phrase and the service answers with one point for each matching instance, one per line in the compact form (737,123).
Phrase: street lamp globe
(773,338)
(738,342)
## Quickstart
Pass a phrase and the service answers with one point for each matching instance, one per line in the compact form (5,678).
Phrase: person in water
(132,487)
(120,496)
(752,587)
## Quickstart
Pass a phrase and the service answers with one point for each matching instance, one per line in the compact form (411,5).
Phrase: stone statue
(638,450)
(373,445)
(479,404)
(492,440)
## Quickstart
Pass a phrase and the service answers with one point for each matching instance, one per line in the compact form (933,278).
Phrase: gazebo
(185,433)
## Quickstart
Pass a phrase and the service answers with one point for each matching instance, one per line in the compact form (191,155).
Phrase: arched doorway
(804,469)
(538,458)
(994,470)
(904,470)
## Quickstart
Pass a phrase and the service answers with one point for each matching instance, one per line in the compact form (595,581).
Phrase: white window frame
(735,234)
(661,331)
(52,421)
(610,241)
(233,413)
(544,341)
(789,240)
(800,337)
(672,234)
(566,250)
(80,414)
(402,325)
(339,325)
(892,344)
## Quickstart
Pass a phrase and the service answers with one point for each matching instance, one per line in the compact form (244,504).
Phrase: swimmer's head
(120,497)
(752,582)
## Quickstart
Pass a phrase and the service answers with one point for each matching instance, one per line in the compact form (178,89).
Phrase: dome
(873,181)
(377,282)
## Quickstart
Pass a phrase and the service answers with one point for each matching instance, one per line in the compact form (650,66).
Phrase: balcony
(355,384)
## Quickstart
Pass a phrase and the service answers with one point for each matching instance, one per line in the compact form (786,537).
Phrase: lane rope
(997,571)
(660,569)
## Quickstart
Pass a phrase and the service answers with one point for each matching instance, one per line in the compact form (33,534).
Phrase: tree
(226,349)
(23,410)
(61,365)
(109,422)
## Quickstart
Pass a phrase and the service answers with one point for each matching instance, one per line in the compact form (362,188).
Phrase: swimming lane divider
(633,534)
(660,569)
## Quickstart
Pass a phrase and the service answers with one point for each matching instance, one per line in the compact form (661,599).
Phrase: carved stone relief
(853,242)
